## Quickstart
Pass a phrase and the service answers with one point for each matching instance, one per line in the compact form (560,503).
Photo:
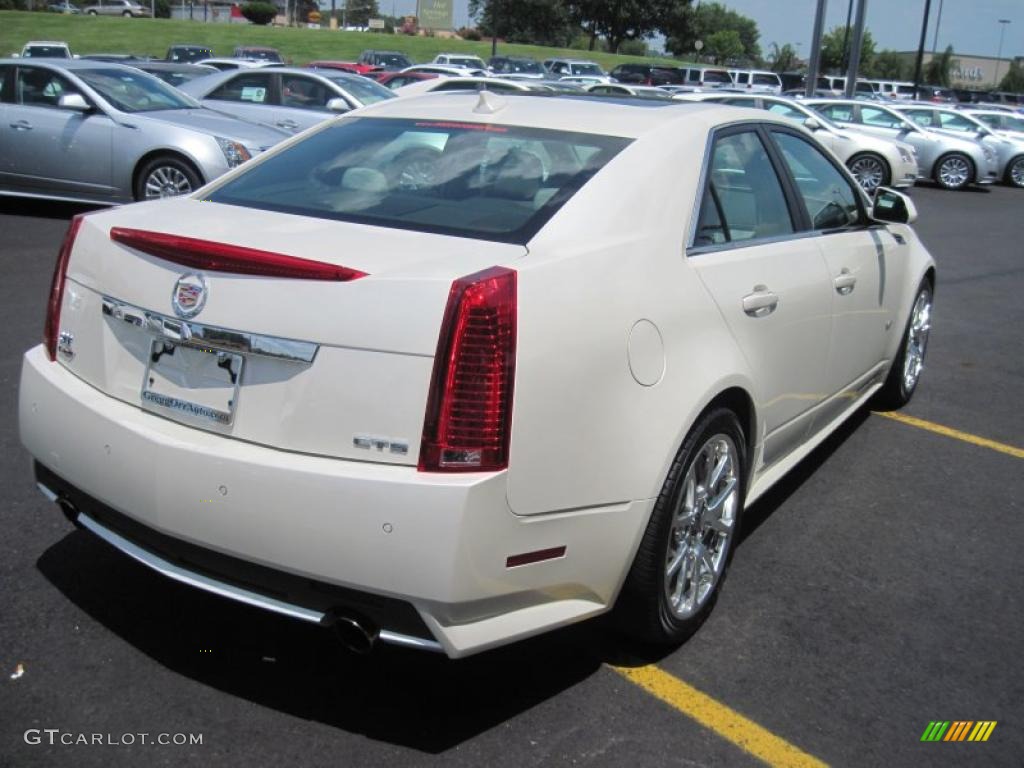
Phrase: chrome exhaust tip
(355,632)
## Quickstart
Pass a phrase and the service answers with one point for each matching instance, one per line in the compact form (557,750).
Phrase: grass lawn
(90,34)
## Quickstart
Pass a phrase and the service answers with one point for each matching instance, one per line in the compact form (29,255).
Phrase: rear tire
(906,368)
(90,13)
(684,554)
(166,176)
(954,171)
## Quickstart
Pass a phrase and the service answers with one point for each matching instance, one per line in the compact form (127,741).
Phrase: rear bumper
(439,543)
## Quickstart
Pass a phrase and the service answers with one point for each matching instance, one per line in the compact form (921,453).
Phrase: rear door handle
(22,125)
(845,283)
(761,302)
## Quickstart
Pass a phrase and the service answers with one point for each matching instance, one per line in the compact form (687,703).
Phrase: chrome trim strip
(208,336)
(199,581)
(47,492)
(419,643)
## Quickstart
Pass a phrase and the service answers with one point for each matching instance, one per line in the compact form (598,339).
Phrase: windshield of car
(363,88)
(484,181)
(524,67)
(258,54)
(392,60)
(131,91)
(587,69)
(466,61)
(45,52)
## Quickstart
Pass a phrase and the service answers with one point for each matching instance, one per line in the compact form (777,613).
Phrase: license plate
(197,385)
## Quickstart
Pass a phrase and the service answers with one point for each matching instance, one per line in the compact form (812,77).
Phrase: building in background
(972,72)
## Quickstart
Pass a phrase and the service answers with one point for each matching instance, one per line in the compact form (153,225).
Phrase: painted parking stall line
(956,434)
(720,718)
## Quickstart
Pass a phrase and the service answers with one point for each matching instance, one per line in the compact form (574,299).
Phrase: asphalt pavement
(878,588)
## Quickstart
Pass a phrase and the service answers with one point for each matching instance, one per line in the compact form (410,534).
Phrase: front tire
(954,171)
(1015,171)
(870,171)
(681,563)
(909,361)
(166,176)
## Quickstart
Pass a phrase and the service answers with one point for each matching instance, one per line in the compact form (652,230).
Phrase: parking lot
(876,589)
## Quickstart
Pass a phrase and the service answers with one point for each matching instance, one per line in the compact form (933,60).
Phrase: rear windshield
(766,79)
(46,52)
(489,182)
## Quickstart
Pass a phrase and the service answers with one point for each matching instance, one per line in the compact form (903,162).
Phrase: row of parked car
(64,120)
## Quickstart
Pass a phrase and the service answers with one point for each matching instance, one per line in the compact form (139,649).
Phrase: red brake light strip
(223,257)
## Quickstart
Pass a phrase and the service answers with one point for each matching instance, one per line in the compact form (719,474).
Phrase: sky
(970,26)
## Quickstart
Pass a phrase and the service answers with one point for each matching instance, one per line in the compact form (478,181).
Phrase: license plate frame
(199,400)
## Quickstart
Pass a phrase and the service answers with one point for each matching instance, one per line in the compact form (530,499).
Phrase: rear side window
(879,117)
(251,88)
(953,122)
(828,195)
(743,199)
(841,113)
(489,182)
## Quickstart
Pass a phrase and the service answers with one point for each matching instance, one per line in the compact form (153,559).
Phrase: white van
(708,77)
(756,80)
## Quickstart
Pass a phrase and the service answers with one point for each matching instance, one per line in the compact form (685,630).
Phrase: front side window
(992,121)
(743,199)
(41,87)
(830,198)
(489,182)
(880,118)
(250,88)
(920,116)
(301,92)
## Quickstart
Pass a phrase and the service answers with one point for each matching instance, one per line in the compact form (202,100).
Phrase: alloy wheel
(917,340)
(868,172)
(166,181)
(1017,172)
(702,526)
(954,172)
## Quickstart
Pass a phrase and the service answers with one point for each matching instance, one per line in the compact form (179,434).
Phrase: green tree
(686,25)
(1014,79)
(725,45)
(889,65)
(784,59)
(359,12)
(835,57)
(620,20)
(937,71)
(259,13)
(541,22)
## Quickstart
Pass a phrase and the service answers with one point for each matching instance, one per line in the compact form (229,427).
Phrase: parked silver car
(116,8)
(953,162)
(874,162)
(285,98)
(100,132)
(1009,151)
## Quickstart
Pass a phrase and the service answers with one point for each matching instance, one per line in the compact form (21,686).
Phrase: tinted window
(716,76)
(830,198)
(41,87)
(304,93)
(766,80)
(743,199)
(489,182)
(880,117)
(45,52)
(953,122)
(253,88)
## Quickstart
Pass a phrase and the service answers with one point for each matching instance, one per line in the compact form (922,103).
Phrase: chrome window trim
(193,334)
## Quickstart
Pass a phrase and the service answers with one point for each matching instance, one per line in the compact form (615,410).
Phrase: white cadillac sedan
(464,368)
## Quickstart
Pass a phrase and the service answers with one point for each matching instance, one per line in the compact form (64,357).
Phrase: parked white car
(460,409)
(756,81)
(448,70)
(493,84)
(875,162)
(460,60)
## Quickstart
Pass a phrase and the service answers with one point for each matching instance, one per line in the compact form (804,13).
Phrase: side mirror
(338,105)
(812,124)
(893,206)
(74,101)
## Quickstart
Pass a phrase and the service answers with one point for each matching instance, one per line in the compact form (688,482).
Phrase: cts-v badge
(189,295)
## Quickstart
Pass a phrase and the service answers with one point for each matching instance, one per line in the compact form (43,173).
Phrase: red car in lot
(345,66)
(394,80)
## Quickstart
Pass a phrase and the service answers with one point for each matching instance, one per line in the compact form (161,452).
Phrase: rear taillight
(60,272)
(469,409)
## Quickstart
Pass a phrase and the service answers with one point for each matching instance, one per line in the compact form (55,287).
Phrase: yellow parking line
(967,437)
(712,714)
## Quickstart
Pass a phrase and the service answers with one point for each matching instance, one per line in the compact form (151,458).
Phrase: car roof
(611,116)
(68,64)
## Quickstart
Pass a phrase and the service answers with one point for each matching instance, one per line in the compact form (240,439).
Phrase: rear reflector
(540,555)
(469,408)
(222,257)
(60,272)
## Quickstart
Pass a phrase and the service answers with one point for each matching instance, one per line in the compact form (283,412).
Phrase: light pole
(999,55)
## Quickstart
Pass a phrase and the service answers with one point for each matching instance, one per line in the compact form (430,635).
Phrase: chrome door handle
(761,302)
(845,283)
(22,125)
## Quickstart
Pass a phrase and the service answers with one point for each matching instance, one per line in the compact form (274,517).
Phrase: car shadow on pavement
(414,699)
(42,209)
